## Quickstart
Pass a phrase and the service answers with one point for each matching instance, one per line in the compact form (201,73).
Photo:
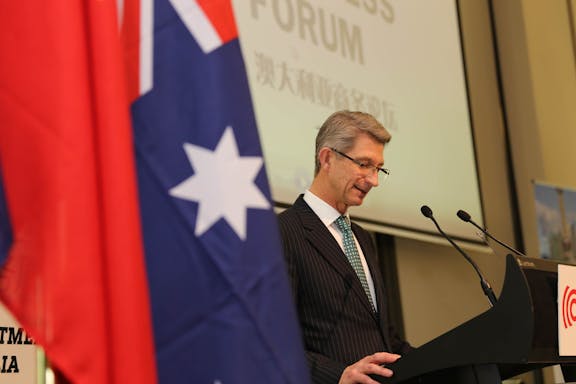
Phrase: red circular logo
(569,307)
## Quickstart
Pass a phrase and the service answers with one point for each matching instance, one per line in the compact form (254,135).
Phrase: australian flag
(221,303)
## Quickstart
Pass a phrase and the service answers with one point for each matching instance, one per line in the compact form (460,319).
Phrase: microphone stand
(464,216)
(486,288)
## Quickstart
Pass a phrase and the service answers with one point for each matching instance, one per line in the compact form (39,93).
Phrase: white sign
(567,310)
(18,361)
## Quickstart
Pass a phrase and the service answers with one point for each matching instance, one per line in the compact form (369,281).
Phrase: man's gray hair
(341,129)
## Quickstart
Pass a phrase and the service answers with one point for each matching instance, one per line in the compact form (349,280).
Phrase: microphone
(465,216)
(486,288)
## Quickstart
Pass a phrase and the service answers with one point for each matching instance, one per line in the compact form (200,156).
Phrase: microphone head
(426,211)
(463,215)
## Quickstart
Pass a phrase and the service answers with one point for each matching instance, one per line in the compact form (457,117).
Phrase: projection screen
(398,60)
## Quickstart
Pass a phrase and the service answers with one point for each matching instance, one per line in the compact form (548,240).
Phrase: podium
(517,335)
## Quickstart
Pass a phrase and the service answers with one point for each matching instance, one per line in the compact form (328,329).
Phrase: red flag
(75,275)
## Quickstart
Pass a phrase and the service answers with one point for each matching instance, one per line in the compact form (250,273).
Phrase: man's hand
(358,372)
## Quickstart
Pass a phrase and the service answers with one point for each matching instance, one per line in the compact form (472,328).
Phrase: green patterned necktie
(352,254)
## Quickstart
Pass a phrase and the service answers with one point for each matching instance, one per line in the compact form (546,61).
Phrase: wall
(435,281)
(537,59)
(536,50)
(521,68)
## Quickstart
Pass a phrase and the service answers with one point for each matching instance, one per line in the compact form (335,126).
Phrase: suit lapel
(323,241)
(377,279)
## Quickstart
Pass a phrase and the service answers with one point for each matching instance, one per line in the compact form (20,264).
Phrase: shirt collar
(322,209)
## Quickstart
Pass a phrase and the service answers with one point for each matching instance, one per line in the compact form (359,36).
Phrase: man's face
(349,182)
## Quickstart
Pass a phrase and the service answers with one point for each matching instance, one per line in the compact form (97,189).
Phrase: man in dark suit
(337,285)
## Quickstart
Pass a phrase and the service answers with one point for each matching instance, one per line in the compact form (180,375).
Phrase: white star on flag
(222,184)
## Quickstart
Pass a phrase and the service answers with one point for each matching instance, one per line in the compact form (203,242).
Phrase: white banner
(567,310)
(401,61)
(18,355)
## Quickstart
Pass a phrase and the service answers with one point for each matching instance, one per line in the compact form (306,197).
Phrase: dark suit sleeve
(323,369)
(398,345)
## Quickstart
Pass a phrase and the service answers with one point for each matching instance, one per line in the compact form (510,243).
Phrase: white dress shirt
(328,216)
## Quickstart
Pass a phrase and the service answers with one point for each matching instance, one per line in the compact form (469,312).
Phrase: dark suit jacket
(337,322)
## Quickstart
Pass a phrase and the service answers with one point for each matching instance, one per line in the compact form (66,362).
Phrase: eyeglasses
(373,169)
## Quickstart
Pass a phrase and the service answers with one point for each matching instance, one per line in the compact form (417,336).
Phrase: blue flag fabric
(222,308)
(5,230)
